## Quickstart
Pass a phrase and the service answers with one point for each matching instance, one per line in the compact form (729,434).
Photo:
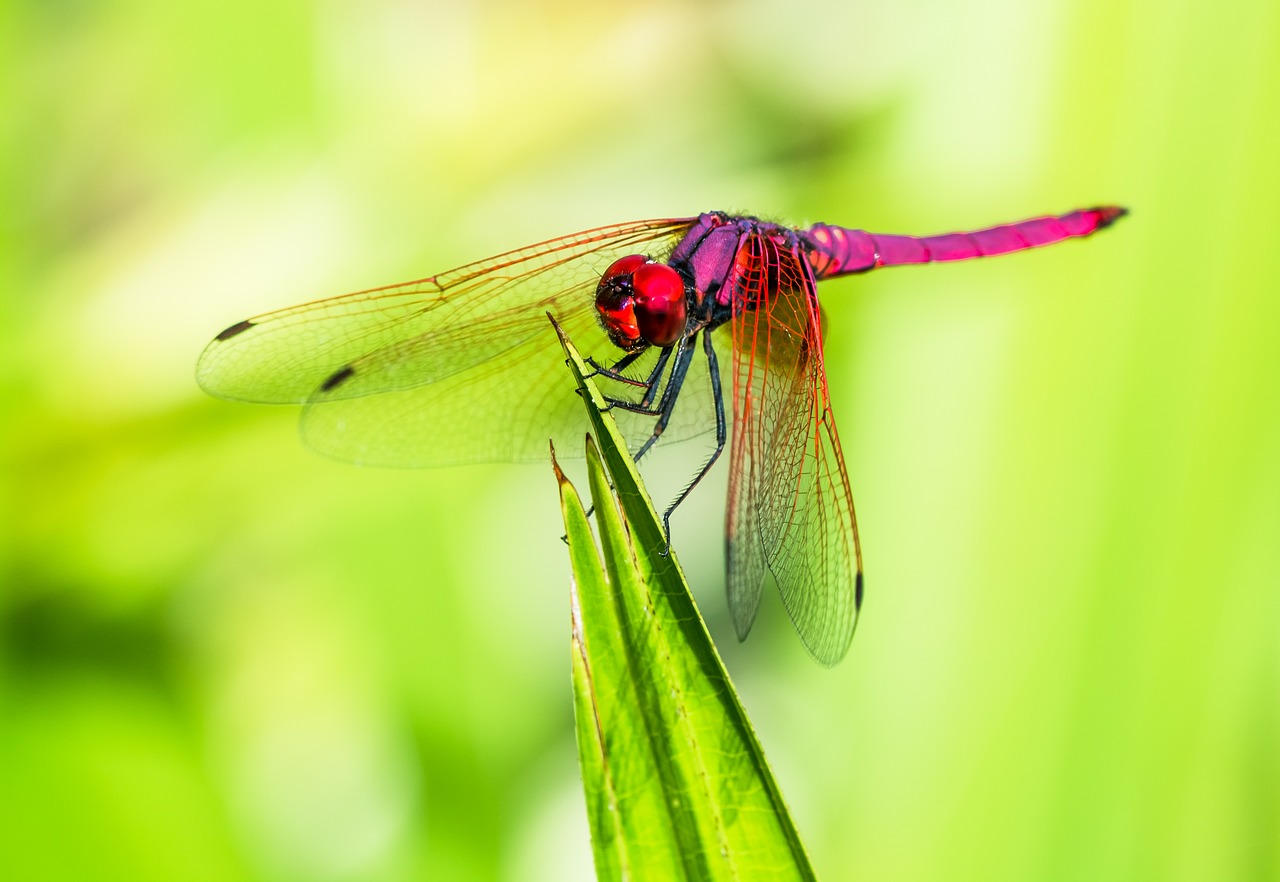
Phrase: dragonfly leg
(614,372)
(722,435)
(666,405)
(651,385)
(654,380)
(632,407)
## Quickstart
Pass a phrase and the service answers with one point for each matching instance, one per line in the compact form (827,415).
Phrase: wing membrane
(463,365)
(449,321)
(790,508)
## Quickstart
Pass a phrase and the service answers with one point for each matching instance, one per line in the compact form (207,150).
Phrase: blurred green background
(223,657)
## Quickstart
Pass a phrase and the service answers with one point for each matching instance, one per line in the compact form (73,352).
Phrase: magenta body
(708,252)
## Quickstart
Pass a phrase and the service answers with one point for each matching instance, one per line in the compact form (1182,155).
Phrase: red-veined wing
(790,508)
(459,367)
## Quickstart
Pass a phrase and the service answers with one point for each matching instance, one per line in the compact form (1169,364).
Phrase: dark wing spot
(237,328)
(857,591)
(337,378)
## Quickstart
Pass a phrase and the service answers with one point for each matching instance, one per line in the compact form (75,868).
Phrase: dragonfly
(462,367)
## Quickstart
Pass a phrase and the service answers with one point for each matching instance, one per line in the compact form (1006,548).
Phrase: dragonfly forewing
(460,363)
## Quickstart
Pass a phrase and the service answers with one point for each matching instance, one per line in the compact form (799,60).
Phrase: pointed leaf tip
(555,465)
(675,781)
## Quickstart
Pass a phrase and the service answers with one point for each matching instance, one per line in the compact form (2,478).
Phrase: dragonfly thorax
(641,303)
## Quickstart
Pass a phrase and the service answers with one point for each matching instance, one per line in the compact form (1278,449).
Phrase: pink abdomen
(838,251)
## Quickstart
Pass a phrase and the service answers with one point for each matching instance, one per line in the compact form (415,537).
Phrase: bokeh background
(223,657)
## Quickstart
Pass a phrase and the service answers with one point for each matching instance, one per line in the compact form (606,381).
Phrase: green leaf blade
(590,580)
(676,783)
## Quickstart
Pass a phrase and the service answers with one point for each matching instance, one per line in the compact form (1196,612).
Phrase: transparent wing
(790,509)
(459,367)
(502,410)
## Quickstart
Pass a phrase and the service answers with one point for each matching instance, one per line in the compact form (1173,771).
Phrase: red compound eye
(641,303)
(660,303)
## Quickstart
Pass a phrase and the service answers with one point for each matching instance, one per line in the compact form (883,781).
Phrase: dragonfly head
(641,303)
